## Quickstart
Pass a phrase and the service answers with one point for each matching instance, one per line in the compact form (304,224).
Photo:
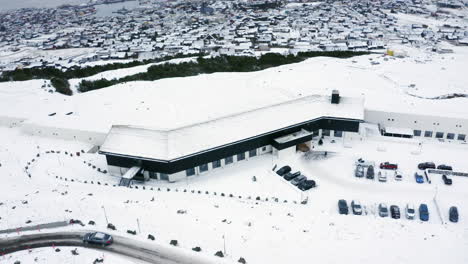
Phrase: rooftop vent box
(335,98)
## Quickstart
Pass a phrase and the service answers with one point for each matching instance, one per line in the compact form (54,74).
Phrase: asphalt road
(150,252)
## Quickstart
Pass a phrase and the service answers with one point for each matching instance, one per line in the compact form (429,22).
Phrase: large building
(193,149)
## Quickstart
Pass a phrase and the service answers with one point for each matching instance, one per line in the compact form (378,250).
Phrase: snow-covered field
(64,185)
(260,231)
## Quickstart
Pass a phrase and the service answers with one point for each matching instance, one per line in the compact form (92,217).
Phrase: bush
(61,86)
(196,249)
(219,254)
(174,243)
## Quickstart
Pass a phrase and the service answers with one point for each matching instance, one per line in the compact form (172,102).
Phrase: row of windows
(227,160)
(429,134)
(327,133)
(435,123)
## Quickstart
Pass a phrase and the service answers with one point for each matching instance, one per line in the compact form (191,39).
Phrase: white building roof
(183,141)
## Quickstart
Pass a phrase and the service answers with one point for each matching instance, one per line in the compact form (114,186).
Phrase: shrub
(174,243)
(61,86)
(196,249)
(219,254)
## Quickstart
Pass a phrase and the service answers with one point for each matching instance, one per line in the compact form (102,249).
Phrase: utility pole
(105,214)
(224,244)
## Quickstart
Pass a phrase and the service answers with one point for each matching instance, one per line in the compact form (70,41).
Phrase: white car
(410,212)
(382,177)
(398,176)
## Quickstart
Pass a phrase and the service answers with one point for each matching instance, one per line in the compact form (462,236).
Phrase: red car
(388,166)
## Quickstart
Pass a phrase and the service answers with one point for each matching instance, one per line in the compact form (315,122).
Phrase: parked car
(383,210)
(453,214)
(359,171)
(370,172)
(444,167)
(388,166)
(426,165)
(446,180)
(410,212)
(382,177)
(98,238)
(290,176)
(306,185)
(395,212)
(419,178)
(283,170)
(398,176)
(298,180)
(356,207)
(342,207)
(423,212)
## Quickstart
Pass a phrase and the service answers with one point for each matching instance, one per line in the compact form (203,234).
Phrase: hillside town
(156,29)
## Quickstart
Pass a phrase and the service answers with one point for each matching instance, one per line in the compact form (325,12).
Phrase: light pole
(138,223)
(224,244)
(105,214)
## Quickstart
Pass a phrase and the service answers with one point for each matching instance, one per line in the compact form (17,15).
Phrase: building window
(417,133)
(153,175)
(263,149)
(163,176)
(450,135)
(338,133)
(253,153)
(241,156)
(325,132)
(461,136)
(427,133)
(228,160)
(439,134)
(216,164)
(315,133)
(190,172)
(203,167)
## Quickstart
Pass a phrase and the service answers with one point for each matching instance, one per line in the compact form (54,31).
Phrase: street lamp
(105,214)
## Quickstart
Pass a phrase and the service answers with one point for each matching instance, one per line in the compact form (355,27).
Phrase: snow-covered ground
(64,255)
(260,231)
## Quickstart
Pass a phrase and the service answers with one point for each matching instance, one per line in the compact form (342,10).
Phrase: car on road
(298,180)
(290,176)
(419,178)
(410,212)
(446,180)
(342,207)
(306,185)
(453,214)
(423,212)
(98,238)
(444,167)
(395,212)
(283,170)
(382,177)
(426,165)
(356,207)
(359,171)
(383,210)
(370,172)
(388,166)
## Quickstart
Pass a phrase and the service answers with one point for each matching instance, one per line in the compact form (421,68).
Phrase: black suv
(306,185)
(426,165)
(446,180)
(343,207)
(283,170)
(444,167)
(395,212)
(290,176)
(453,214)
(370,172)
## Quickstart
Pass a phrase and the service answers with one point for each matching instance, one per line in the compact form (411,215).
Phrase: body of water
(16,4)
(101,10)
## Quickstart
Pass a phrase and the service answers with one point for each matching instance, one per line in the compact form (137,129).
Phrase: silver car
(383,210)
(298,180)
(410,212)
